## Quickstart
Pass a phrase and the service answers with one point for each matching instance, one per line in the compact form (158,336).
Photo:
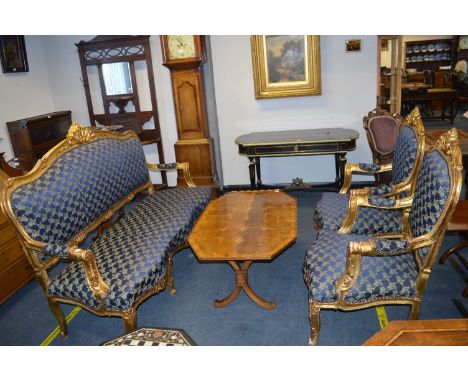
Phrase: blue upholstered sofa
(82,185)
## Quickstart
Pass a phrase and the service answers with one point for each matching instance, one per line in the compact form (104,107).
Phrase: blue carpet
(25,319)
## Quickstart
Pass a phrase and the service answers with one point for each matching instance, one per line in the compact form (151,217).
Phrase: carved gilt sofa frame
(43,255)
(423,233)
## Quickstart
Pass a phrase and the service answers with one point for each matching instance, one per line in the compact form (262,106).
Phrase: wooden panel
(14,277)
(422,333)
(10,253)
(6,234)
(198,154)
(189,110)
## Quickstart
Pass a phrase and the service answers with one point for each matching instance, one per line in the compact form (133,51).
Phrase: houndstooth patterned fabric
(390,246)
(167,166)
(381,202)
(381,190)
(369,167)
(79,187)
(57,250)
(404,156)
(333,207)
(379,277)
(131,256)
(431,195)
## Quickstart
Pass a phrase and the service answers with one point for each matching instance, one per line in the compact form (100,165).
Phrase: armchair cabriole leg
(57,312)
(130,320)
(314,317)
(414,312)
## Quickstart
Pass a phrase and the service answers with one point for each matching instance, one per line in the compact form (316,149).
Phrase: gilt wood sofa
(83,185)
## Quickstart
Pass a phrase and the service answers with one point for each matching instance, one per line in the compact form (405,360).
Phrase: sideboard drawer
(10,253)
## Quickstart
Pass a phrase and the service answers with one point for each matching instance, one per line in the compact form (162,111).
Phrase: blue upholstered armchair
(336,209)
(353,271)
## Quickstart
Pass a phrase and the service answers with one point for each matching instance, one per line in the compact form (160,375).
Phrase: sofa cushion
(131,256)
(379,278)
(333,207)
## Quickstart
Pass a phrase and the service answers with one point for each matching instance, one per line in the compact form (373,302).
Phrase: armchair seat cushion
(333,207)
(131,255)
(379,278)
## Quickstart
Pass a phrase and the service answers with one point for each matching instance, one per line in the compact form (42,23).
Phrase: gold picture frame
(286,66)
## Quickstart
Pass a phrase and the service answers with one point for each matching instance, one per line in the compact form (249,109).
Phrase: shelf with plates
(429,54)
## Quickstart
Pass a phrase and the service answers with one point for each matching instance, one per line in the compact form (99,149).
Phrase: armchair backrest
(77,185)
(409,150)
(437,191)
(382,131)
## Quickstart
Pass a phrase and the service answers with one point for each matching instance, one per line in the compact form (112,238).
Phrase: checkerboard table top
(153,337)
(245,225)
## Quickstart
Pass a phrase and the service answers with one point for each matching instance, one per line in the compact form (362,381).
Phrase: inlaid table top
(294,136)
(245,225)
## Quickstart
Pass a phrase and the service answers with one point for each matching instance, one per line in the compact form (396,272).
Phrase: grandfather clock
(184,55)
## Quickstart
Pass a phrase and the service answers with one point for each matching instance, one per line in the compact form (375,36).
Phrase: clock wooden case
(184,56)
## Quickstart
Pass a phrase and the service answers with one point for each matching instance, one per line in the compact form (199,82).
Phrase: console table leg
(340,162)
(252,172)
(259,175)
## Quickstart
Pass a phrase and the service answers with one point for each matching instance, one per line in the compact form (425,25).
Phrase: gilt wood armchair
(350,272)
(335,210)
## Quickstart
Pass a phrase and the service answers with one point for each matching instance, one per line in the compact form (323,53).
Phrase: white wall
(24,95)
(68,91)
(348,93)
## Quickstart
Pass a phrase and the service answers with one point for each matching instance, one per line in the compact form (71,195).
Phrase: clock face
(180,46)
(463,43)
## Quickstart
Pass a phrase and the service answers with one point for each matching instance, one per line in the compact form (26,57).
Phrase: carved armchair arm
(361,169)
(373,247)
(360,198)
(184,166)
(93,277)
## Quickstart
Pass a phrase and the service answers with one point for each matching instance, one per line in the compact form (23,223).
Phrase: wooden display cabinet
(429,54)
(32,137)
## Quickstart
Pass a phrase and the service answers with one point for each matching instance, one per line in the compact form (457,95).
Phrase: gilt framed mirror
(119,85)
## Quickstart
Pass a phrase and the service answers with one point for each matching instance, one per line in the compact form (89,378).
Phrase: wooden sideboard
(15,270)
(32,137)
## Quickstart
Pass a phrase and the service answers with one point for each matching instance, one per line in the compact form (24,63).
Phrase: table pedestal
(242,283)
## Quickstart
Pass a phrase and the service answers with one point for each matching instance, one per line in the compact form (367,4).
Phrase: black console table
(331,141)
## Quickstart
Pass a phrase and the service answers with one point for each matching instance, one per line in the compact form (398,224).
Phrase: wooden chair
(382,129)
(458,224)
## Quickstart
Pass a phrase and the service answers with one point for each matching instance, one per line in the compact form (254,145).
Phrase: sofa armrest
(184,166)
(86,257)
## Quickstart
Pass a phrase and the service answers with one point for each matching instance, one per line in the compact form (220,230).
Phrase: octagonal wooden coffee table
(243,227)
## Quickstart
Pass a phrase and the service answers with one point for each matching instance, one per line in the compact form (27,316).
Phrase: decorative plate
(420,58)
(446,46)
(409,49)
(439,47)
(432,57)
(426,57)
(416,48)
(431,47)
(423,48)
(439,56)
(413,59)
(408,59)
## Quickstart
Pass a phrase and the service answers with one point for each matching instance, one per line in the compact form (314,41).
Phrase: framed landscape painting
(286,66)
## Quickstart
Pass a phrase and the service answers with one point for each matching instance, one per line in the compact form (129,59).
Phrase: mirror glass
(117,78)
